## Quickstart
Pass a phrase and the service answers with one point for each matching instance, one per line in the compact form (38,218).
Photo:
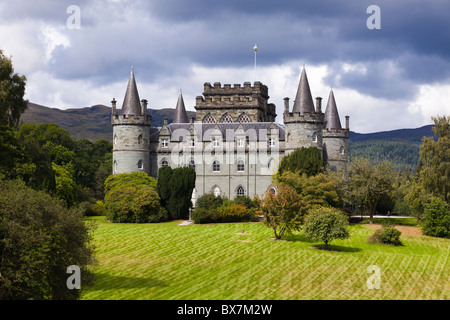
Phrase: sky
(388,66)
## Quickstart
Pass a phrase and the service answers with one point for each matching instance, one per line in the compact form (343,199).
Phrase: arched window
(272,190)
(192,164)
(116,140)
(314,137)
(342,150)
(216,166)
(140,139)
(115,166)
(226,118)
(244,118)
(240,191)
(216,191)
(164,163)
(240,166)
(140,165)
(209,119)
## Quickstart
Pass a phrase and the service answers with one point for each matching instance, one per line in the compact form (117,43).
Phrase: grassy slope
(166,261)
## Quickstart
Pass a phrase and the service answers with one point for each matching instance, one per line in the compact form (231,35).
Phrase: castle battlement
(127,119)
(297,117)
(236,89)
(335,133)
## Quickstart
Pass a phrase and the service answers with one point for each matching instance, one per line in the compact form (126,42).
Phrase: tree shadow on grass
(336,248)
(107,282)
(298,237)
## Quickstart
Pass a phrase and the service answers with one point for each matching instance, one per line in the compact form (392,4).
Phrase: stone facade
(234,143)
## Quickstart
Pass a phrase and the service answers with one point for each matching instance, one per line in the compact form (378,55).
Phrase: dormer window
(164,143)
(240,142)
(216,142)
(191,143)
(271,142)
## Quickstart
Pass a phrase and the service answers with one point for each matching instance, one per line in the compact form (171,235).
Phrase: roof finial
(132,69)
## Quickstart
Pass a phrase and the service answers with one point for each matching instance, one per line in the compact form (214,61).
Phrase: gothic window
(216,166)
(314,137)
(140,139)
(240,166)
(140,165)
(226,118)
(240,191)
(192,164)
(244,118)
(342,150)
(216,191)
(164,163)
(115,166)
(209,119)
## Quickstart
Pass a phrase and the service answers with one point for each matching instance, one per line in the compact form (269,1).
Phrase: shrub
(245,201)
(326,224)
(386,235)
(203,215)
(235,213)
(39,239)
(436,219)
(209,201)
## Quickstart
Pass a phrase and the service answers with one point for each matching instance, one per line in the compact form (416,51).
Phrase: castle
(233,143)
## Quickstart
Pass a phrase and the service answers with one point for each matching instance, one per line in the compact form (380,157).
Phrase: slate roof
(332,120)
(303,100)
(131,102)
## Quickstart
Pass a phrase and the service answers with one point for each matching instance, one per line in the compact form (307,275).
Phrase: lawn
(218,261)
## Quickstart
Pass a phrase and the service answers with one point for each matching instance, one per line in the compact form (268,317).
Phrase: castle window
(192,164)
(244,118)
(140,139)
(115,166)
(115,140)
(216,192)
(240,142)
(216,166)
(272,142)
(191,143)
(164,143)
(164,163)
(216,142)
(342,150)
(140,165)
(240,191)
(240,166)
(272,190)
(226,118)
(314,137)
(209,119)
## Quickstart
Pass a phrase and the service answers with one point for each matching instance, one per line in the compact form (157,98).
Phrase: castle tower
(335,138)
(234,103)
(180,115)
(304,124)
(131,132)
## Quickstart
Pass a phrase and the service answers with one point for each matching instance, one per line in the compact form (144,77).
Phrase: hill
(93,123)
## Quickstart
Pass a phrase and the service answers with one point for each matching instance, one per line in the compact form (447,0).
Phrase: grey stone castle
(233,143)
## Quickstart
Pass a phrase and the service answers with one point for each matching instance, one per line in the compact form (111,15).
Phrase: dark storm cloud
(168,37)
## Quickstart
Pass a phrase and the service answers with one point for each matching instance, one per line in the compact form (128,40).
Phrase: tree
(314,190)
(326,224)
(435,160)
(163,184)
(283,211)
(132,198)
(306,160)
(368,184)
(39,239)
(436,219)
(12,90)
(182,183)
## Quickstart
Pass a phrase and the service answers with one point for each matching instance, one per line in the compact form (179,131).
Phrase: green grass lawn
(216,261)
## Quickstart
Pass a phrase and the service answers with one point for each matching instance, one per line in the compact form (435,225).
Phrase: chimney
(286,105)
(113,104)
(319,105)
(347,122)
(192,120)
(165,121)
(144,107)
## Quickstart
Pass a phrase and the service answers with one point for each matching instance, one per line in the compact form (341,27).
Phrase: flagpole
(255,48)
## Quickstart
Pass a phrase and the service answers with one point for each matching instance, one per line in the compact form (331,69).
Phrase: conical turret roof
(180,115)
(332,120)
(303,100)
(131,102)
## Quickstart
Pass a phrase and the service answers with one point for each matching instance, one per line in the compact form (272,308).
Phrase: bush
(203,215)
(245,201)
(326,224)
(436,219)
(39,239)
(227,212)
(209,201)
(386,235)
